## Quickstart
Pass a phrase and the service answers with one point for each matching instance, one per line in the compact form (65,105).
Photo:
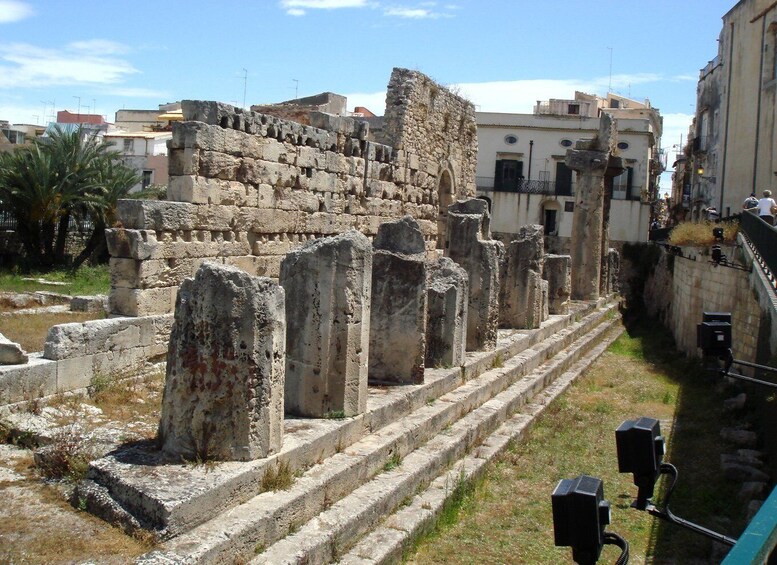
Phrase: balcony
(521,185)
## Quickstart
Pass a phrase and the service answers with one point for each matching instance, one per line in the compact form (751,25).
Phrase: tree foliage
(69,175)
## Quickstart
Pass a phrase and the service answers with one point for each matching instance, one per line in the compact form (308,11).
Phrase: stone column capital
(587,161)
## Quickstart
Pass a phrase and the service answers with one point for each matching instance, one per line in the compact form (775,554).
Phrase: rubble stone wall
(245,188)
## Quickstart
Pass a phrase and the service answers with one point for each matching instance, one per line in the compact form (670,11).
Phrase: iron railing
(523,186)
(763,240)
(8,223)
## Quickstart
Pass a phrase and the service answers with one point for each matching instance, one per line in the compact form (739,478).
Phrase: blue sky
(504,55)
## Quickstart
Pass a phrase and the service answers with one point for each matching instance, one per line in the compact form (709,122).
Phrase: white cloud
(410,13)
(13,11)
(101,46)
(134,92)
(298,7)
(23,65)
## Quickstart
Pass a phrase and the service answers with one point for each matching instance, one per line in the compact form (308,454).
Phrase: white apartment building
(521,166)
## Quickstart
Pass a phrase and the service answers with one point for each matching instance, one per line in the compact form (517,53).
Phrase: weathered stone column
(521,302)
(223,396)
(471,246)
(398,311)
(557,273)
(590,160)
(446,328)
(614,168)
(613,271)
(328,286)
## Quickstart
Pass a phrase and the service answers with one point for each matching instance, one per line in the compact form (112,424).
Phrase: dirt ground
(37,524)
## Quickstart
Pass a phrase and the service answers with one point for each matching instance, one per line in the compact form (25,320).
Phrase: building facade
(734,143)
(521,166)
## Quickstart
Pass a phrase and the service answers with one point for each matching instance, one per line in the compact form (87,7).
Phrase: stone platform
(216,512)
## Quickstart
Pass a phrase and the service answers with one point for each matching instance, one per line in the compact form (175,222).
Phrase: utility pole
(245,85)
(296,88)
(609,85)
(79,108)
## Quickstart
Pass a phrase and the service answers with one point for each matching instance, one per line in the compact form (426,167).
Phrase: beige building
(734,144)
(522,173)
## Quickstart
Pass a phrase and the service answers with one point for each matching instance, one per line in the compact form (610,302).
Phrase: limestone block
(328,286)
(74,373)
(96,303)
(183,161)
(310,157)
(134,244)
(197,135)
(212,113)
(481,258)
(214,164)
(398,310)
(35,379)
(446,329)
(336,163)
(11,353)
(223,396)
(156,214)
(557,273)
(141,302)
(520,297)
(64,341)
(323,181)
(151,273)
(197,190)
(293,199)
(113,334)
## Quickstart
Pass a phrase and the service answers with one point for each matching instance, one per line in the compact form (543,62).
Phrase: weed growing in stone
(394,461)
(67,457)
(278,477)
(335,415)
(498,361)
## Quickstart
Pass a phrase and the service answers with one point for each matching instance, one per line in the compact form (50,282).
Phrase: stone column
(223,396)
(614,168)
(590,160)
(470,245)
(557,273)
(398,311)
(446,328)
(328,286)
(521,303)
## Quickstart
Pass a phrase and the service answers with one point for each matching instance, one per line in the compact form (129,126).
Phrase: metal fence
(523,186)
(8,223)
(763,240)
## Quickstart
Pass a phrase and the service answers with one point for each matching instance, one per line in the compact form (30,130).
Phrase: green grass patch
(506,517)
(86,281)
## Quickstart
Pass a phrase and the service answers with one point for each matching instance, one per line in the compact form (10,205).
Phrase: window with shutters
(508,175)
(622,185)
(563,179)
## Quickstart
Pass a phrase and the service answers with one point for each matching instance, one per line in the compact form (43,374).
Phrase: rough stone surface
(328,285)
(96,303)
(590,159)
(223,396)
(557,272)
(446,328)
(11,353)
(522,303)
(398,310)
(246,187)
(743,438)
(736,403)
(470,245)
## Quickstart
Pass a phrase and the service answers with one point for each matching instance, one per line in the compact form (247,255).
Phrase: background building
(522,173)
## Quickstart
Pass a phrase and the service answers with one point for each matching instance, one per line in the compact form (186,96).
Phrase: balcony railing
(523,186)
(763,239)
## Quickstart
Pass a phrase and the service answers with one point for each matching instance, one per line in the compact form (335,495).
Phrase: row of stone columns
(345,311)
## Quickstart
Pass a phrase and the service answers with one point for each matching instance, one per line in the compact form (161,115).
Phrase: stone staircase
(364,487)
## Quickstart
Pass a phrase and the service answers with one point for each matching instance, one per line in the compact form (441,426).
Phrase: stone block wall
(245,188)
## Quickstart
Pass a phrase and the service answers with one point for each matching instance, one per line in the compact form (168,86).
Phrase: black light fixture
(580,515)
(713,335)
(717,233)
(640,452)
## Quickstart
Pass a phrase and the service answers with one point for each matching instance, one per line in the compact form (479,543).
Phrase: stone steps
(348,492)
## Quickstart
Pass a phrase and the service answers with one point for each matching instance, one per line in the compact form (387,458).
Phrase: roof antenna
(609,85)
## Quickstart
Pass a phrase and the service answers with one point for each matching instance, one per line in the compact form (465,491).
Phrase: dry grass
(30,330)
(700,233)
(129,400)
(506,518)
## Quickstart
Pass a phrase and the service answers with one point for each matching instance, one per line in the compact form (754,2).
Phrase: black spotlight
(717,233)
(713,335)
(580,515)
(640,451)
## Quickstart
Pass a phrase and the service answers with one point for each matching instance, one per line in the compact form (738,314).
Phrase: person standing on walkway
(750,202)
(767,207)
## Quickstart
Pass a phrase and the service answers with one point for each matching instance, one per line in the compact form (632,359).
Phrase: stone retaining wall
(77,353)
(246,188)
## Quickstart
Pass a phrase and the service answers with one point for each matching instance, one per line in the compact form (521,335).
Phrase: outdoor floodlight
(717,233)
(580,514)
(713,335)
(640,451)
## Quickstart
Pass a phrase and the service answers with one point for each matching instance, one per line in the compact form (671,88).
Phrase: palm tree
(68,175)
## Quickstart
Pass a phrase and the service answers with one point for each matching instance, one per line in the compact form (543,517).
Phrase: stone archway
(446,192)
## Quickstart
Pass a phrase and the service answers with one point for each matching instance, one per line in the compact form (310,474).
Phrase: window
(511,139)
(623,145)
(569,206)
(563,179)
(573,109)
(128,146)
(508,174)
(565,143)
(147,178)
(622,185)
(615,103)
